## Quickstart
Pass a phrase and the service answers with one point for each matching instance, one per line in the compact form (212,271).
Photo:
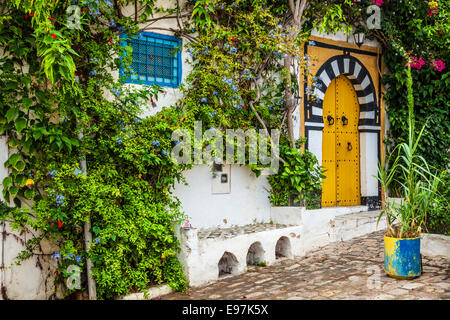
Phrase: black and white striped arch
(369,117)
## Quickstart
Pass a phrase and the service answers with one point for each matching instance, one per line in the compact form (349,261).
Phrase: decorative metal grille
(156,59)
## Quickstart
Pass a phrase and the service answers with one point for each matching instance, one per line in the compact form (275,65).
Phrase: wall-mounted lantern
(359,38)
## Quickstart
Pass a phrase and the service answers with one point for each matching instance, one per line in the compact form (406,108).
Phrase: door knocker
(344,120)
(349,146)
(330,120)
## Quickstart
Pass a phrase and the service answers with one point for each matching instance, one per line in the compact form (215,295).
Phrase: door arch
(340,144)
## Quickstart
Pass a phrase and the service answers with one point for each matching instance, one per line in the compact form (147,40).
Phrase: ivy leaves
(20,124)
(300,176)
(13,183)
(202,13)
(15,162)
(23,108)
(126,192)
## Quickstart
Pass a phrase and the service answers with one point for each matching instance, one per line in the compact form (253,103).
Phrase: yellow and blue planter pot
(402,257)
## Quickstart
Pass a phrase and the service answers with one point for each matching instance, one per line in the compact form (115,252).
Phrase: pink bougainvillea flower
(415,62)
(439,65)
(419,63)
(377,2)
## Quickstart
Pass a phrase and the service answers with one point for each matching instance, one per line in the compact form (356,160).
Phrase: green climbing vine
(63,102)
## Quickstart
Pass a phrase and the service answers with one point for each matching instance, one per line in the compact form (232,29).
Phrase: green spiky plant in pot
(419,186)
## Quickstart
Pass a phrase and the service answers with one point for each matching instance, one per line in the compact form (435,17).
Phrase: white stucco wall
(308,230)
(342,36)
(368,148)
(246,203)
(202,257)
(315,144)
(33,278)
(4,154)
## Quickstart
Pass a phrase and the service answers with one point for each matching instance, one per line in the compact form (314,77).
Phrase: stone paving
(235,231)
(343,270)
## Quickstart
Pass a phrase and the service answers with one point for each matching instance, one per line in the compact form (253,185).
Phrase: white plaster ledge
(150,293)
(287,215)
(336,211)
(435,245)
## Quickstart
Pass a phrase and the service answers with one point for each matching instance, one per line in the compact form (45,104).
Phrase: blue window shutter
(156,59)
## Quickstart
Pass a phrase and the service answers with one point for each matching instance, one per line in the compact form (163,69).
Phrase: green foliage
(239,78)
(56,116)
(438,219)
(420,37)
(410,31)
(260,263)
(419,186)
(300,177)
(239,73)
(61,105)
(245,46)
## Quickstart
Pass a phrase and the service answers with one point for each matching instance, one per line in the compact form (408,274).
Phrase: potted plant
(419,192)
(299,180)
(296,186)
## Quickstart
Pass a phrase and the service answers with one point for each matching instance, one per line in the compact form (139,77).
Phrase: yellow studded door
(340,145)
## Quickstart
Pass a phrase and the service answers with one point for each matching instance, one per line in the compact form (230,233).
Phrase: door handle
(330,120)
(349,146)
(344,120)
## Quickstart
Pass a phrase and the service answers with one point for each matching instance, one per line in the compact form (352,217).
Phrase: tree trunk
(87,242)
(288,99)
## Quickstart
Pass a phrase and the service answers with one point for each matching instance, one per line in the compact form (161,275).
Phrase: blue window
(156,59)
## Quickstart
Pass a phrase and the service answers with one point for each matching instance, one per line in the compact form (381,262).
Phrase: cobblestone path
(344,270)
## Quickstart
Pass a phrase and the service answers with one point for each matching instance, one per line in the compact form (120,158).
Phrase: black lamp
(359,38)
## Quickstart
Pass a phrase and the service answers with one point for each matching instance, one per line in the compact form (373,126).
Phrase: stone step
(352,225)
